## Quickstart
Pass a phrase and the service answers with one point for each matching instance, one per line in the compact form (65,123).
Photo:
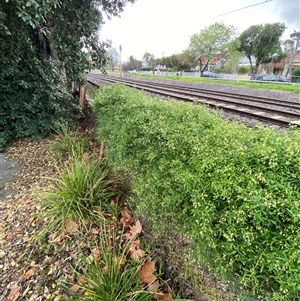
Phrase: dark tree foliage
(133,64)
(184,61)
(262,42)
(44,46)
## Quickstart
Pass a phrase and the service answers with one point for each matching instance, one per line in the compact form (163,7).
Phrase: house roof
(291,54)
(286,60)
(214,61)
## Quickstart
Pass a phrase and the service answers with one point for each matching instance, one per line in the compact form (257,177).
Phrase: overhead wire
(240,9)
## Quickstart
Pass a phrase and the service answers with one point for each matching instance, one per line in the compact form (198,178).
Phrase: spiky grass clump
(68,143)
(108,273)
(82,191)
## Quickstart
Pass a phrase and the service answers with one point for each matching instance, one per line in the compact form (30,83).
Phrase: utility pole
(294,36)
(120,48)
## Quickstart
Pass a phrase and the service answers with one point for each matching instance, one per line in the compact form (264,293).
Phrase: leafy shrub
(243,70)
(146,69)
(34,93)
(296,72)
(232,189)
(296,75)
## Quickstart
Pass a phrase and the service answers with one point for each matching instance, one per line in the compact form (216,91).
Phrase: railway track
(270,111)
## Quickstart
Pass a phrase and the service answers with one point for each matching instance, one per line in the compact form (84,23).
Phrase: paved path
(8,169)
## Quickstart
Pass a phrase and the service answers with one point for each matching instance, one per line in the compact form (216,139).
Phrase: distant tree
(278,55)
(171,62)
(210,42)
(288,46)
(232,57)
(133,64)
(149,59)
(262,42)
(182,61)
(175,63)
(296,37)
(166,61)
(113,58)
(232,62)
(186,60)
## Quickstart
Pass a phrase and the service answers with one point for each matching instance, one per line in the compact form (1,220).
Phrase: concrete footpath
(8,170)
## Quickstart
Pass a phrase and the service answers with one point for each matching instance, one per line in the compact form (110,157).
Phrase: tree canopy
(44,45)
(133,64)
(288,46)
(149,59)
(113,61)
(64,30)
(210,42)
(262,42)
(183,61)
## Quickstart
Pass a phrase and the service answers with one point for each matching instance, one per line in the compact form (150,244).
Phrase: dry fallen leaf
(154,286)
(75,287)
(26,201)
(102,150)
(13,233)
(71,226)
(136,229)
(126,218)
(166,294)
(105,269)
(29,222)
(14,294)
(53,238)
(81,280)
(95,252)
(51,169)
(135,250)
(28,274)
(119,261)
(146,272)
(94,256)
(95,231)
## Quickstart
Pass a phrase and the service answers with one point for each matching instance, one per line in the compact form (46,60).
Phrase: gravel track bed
(274,94)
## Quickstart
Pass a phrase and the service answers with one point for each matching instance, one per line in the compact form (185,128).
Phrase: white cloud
(163,27)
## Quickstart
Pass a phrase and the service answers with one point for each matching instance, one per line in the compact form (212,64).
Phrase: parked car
(270,78)
(275,78)
(256,77)
(209,74)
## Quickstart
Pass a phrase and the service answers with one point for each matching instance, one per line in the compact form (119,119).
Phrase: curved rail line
(259,108)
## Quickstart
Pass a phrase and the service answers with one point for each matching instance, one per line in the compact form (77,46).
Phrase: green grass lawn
(294,87)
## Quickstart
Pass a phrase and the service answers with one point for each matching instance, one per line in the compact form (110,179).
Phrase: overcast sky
(163,27)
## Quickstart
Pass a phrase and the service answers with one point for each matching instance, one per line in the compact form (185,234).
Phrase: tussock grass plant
(234,190)
(81,192)
(108,274)
(68,143)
